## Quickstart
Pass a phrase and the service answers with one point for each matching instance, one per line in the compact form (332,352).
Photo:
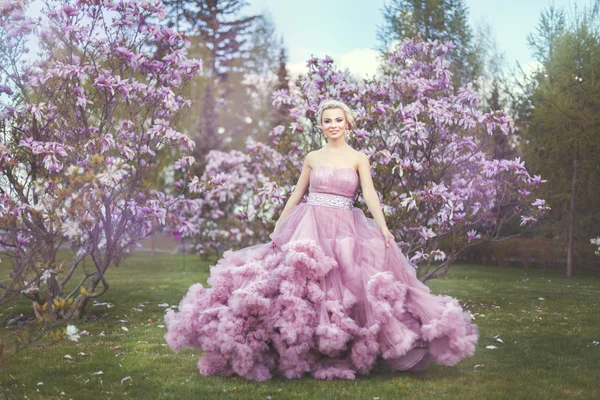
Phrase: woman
(331,295)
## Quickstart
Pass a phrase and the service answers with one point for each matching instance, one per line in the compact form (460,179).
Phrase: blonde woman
(331,295)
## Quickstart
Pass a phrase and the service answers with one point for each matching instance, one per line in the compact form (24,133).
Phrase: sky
(346,30)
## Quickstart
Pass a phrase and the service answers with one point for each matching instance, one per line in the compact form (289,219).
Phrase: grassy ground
(548,325)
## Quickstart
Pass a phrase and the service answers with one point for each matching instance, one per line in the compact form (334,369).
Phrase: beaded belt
(330,200)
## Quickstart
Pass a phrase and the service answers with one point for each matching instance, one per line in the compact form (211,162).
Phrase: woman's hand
(387,235)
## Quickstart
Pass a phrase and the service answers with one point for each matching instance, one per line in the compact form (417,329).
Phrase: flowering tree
(240,209)
(439,190)
(83,125)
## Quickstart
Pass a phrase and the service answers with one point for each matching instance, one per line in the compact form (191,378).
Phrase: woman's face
(333,123)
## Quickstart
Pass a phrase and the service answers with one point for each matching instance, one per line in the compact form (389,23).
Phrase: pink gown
(324,297)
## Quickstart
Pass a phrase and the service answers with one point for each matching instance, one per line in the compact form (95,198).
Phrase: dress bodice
(337,181)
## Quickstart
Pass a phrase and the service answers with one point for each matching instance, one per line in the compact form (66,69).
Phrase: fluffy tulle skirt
(325,297)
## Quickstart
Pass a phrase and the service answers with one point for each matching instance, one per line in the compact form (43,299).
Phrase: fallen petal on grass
(107,304)
(127,378)
(491,347)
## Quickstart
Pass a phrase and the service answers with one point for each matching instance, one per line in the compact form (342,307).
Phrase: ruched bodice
(338,181)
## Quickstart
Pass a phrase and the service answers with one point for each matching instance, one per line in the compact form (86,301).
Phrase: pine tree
(209,136)
(223,34)
(253,102)
(550,28)
(501,144)
(281,115)
(562,132)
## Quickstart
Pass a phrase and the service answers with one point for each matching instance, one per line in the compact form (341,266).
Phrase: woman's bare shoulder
(359,156)
(314,156)
(310,157)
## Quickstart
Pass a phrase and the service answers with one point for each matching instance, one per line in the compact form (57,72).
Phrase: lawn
(549,327)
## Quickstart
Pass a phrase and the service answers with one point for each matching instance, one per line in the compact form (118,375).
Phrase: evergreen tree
(264,46)
(542,43)
(254,98)
(223,33)
(545,38)
(209,136)
(281,115)
(502,149)
(561,137)
(492,66)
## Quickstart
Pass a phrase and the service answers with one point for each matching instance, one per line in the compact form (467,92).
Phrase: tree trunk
(571,221)
(153,241)
(77,309)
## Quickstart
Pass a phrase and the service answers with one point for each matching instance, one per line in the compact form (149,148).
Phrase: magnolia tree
(83,124)
(224,223)
(242,205)
(440,191)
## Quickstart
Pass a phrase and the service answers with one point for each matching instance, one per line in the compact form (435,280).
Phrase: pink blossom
(527,219)
(184,163)
(472,235)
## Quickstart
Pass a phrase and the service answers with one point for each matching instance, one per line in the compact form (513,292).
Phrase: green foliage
(561,137)
(550,28)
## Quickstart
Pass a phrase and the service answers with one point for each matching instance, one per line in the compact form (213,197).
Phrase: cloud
(531,67)
(360,62)
(297,68)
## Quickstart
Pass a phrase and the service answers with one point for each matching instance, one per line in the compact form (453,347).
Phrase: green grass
(548,350)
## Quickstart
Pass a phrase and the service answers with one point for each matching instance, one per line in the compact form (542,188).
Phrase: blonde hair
(333,104)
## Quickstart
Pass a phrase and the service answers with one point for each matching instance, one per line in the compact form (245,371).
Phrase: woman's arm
(371,198)
(299,190)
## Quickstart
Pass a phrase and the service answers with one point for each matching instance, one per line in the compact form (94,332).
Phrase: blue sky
(347,29)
